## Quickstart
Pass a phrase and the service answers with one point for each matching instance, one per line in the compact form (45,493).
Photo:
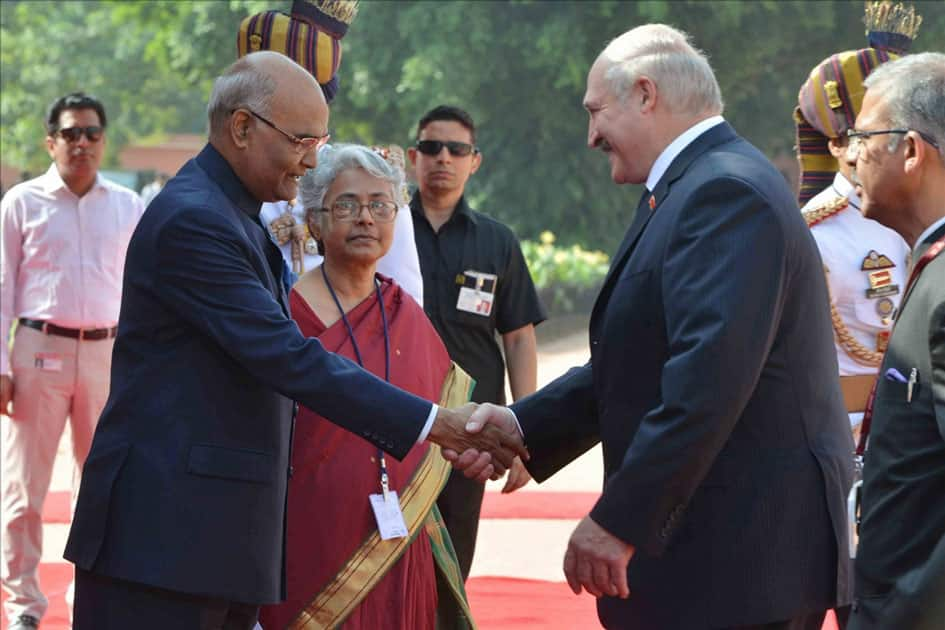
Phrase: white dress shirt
(62,256)
(401,262)
(676,147)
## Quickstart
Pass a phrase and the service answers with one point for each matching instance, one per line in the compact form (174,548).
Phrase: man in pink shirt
(64,236)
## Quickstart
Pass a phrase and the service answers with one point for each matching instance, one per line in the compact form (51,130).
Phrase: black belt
(88,334)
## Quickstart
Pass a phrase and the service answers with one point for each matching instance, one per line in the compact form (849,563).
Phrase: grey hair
(242,85)
(334,160)
(913,90)
(664,54)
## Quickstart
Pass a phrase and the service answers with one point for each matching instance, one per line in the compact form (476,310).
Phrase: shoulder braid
(857,351)
(824,211)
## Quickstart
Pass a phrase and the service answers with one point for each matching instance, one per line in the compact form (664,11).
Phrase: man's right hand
(6,395)
(476,464)
(488,446)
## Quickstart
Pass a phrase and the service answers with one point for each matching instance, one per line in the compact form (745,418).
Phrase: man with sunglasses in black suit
(475,282)
(64,234)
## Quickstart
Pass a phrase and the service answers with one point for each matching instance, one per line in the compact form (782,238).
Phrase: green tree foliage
(519,67)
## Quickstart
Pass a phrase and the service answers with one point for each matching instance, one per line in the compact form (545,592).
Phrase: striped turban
(828,104)
(310,35)
(830,99)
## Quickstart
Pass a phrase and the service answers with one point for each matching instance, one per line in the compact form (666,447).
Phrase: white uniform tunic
(867,265)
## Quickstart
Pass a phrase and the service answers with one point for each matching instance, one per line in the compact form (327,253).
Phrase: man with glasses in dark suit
(180,520)
(475,282)
(64,238)
(897,152)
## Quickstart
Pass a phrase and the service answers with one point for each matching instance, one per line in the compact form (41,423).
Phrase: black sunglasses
(456,149)
(72,134)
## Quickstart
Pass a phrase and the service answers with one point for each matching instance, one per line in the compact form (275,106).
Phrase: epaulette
(825,211)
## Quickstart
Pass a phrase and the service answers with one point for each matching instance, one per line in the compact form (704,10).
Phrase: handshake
(482,441)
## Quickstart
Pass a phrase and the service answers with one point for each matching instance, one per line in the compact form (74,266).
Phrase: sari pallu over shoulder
(371,561)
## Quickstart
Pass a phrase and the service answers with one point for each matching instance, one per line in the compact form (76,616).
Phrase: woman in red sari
(339,572)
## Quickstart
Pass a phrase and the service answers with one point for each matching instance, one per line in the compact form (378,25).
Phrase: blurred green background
(519,67)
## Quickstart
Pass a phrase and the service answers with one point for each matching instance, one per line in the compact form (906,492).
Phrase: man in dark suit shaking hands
(898,152)
(180,520)
(712,381)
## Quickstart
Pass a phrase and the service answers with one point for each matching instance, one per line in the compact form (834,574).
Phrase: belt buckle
(81,334)
(45,328)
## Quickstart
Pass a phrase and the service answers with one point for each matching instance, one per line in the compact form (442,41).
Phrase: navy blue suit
(185,486)
(712,386)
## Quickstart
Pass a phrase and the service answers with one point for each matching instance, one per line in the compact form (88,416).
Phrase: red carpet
(512,604)
(497,603)
(555,505)
(56,508)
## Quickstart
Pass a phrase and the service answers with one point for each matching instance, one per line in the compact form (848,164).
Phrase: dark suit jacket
(712,386)
(900,564)
(185,485)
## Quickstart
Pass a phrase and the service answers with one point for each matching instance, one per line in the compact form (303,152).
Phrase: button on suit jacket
(185,484)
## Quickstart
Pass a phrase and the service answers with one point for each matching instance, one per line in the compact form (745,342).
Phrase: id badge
(477,299)
(390,520)
(48,361)
(854,500)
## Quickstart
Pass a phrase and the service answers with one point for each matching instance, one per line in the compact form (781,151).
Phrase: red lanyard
(920,264)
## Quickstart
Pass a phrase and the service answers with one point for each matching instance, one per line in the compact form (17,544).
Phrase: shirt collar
(52,180)
(462,209)
(843,187)
(927,233)
(220,171)
(676,147)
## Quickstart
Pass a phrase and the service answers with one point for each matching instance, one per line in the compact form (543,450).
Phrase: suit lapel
(650,203)
(640,220)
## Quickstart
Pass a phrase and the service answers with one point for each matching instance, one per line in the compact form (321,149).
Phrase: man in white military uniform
(865,262)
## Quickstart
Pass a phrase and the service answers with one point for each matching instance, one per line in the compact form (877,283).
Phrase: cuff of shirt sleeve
(429,424)
(518,425)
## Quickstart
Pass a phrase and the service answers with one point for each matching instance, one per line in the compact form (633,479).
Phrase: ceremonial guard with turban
(865,262)
(310,34)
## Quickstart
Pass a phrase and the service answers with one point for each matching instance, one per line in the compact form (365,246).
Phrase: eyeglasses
(456,149)
(856,138)
(302,145)
(73,134)
(350,210)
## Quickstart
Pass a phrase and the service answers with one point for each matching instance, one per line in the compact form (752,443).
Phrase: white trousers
(54,378)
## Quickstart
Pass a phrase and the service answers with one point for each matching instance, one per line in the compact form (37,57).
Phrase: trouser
(810,621)
(460,504)
(105,603)
(54,378)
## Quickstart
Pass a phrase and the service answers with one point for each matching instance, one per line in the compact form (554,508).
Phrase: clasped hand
(480,440)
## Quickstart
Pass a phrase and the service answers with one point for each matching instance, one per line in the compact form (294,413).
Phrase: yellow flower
(547,237)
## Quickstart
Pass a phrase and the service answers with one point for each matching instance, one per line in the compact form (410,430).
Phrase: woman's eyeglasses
(456,149)
(350,210)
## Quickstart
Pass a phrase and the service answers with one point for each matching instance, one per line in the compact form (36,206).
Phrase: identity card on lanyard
(386,506)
